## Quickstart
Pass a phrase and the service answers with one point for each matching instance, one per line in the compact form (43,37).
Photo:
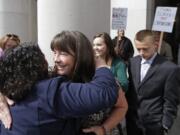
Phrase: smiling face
(100,48)
(73,56)
(64,62)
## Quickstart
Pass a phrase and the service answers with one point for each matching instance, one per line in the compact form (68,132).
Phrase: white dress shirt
(145,65)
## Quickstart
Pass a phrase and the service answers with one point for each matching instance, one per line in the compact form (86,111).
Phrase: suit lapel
(137,71)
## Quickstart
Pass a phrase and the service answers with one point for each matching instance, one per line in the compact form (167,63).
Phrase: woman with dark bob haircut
(79,47)
(42,105)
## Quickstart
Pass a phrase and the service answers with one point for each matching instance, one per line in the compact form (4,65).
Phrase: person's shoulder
(170,68)
(118,61)
(48,87)
(127,39)
(166,64)
(163,60)
(115,38)
(137,57)
(170,64)
(165,43)
(51,82)
(134,60)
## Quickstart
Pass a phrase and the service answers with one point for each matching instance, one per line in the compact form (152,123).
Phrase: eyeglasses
(12,35)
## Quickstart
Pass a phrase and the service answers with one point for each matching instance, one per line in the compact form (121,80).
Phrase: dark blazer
(51,102)
(155,99)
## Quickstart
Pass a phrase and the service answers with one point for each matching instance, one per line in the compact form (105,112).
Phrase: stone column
(87,16)
(19,17)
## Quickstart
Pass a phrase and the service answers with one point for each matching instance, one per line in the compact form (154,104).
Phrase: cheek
(70,61)
(97,48)
(70,67)
(103,50)
(152,51)
(55,57)
(8,46)
(147,53)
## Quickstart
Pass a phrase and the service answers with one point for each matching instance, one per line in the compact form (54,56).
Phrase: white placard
(164,19)
(119,18)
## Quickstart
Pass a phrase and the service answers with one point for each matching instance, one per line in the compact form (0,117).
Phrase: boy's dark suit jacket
(155,99)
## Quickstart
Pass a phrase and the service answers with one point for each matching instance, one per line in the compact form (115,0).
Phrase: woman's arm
(118,112)
(67,99)
(82,99)
(116,116)
(5,115)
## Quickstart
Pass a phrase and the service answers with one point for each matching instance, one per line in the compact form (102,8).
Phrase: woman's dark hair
(77,43)
(108,41)
(20,68)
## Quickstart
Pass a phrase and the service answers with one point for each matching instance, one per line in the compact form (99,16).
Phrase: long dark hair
(20,68)
(108,41)
(78,43)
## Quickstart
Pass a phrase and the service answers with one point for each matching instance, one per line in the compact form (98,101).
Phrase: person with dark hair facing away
(154,86)
(6,42)
(45,106)
(123,46)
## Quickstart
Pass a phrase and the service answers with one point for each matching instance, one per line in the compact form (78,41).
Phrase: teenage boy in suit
(154,88)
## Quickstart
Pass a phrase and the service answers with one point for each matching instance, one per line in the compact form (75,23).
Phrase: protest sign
(164,19)
(119,18)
